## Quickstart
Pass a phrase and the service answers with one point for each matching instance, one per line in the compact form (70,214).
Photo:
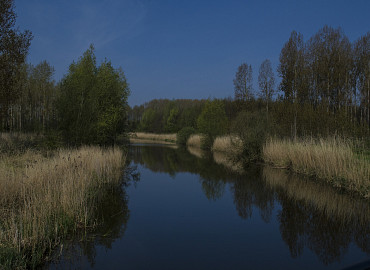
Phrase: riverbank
(333,160)
(47,198)
(149,138)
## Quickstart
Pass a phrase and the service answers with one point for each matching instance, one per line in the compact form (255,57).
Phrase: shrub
(252,128)
(184,134)
(212,122)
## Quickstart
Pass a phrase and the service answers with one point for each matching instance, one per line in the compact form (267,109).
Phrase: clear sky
(179,48)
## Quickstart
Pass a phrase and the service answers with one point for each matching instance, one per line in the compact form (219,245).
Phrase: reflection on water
(112,216)
(318,217)
(308,215)
(312,215)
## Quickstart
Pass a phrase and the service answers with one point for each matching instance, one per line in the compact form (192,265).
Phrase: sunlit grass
(332,159)
(44,199)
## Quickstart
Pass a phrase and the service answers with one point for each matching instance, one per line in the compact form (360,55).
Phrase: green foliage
(13,51)
(212,122)
(171,123)
(252,128)
(184,134)
(148,121)
(93,102)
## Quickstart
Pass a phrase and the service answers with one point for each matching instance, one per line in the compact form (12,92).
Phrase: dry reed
(332,159)
(147,137)
(195,140)
(44,199)
(228,144)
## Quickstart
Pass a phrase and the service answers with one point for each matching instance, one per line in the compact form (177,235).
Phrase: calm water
(179,211)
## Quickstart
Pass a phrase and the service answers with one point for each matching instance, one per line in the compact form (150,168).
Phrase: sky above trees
(179,49)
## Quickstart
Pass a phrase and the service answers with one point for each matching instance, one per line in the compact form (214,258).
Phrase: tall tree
(290,66)
(290,70)
(93,102)
(13,50)
(331,63)
(266,81)
(243,83)
(362,67)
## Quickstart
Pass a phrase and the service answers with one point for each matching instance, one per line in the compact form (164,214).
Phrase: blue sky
(179,49)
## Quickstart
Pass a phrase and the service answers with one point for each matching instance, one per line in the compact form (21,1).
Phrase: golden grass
(152,137)
(332,159)
(195,140)
(228,144)
(43,199)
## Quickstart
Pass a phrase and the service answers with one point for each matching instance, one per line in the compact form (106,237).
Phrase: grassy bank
(331,159)
(142,137)
(43,200)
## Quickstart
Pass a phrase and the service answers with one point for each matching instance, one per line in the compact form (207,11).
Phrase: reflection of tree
(312,215)
(213,189)
(319,218)
(249,191)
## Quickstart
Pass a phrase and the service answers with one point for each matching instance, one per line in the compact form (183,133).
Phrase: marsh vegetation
(45,198)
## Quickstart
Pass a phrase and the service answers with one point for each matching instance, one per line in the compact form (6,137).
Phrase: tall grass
(44,199)
(150,137)
(332,159)
(195,140)
(228,144)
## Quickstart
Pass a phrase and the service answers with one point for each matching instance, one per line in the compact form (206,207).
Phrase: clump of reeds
(332,159)
(169,138)
(42,200)
(228,144)
(195,140)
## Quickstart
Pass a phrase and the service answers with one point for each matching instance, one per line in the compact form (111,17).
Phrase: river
(178,210)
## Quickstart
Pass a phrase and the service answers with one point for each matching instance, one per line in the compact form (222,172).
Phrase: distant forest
(324,90)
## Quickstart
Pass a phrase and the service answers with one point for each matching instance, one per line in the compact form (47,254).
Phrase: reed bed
(332,159)
(228,144)
(169,138)
(42,200)
(195,140)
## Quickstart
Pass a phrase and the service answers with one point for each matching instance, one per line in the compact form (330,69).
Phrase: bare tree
(266,82)
(243,83)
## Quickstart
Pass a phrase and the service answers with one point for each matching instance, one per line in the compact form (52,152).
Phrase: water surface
(185,212)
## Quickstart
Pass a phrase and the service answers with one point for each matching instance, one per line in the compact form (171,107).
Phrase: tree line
(324,89)
(87,106)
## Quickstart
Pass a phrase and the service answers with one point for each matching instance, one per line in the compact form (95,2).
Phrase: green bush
(212,122)
(184,134)
(252,128)
(207,142)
